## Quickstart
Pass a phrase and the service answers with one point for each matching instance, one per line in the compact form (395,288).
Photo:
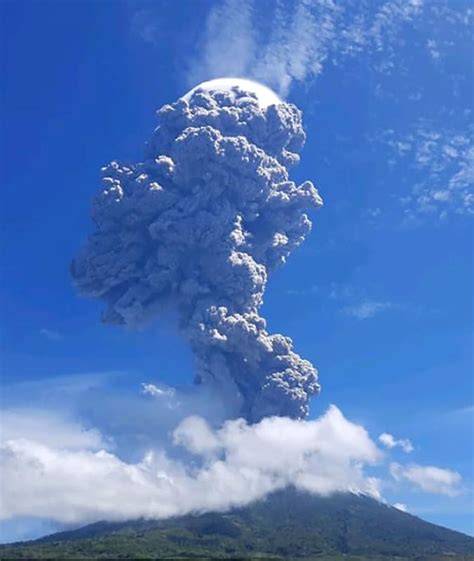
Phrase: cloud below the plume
(56,468)
(217,469)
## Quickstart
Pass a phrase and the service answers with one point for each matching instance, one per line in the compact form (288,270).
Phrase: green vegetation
(288,525)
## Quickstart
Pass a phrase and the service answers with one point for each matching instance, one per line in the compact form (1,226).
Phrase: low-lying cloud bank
(205,469)
(54,468)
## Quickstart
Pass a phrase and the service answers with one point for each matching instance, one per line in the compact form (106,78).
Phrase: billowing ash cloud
(198,226)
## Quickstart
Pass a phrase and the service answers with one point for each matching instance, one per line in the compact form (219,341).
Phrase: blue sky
(380,295)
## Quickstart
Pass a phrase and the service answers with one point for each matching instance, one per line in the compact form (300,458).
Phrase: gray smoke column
(199,225)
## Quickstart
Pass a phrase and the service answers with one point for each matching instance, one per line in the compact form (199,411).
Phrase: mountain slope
(288,524)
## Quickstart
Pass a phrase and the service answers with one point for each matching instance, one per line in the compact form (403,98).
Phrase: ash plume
(198,226)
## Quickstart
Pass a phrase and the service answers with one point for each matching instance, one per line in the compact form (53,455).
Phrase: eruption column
(199,225)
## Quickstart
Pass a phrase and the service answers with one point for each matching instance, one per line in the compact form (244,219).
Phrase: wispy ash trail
(199,225)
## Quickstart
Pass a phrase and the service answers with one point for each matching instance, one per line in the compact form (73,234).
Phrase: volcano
(288,524)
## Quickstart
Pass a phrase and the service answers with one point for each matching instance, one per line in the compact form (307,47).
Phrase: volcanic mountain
(286,525)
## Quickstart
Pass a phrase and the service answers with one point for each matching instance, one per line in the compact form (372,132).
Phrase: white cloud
(450,26)
(433,49)
(160,464)
(136,420)
(47,428)
(401,506)
(367,309)
(232,466)
(194,434)
(389,441)
(290,41)
(442,164)
(429,479)
(224,52)
(356,304)
(165,393)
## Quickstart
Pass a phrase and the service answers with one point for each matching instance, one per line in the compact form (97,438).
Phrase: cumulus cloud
(429,479)
(232,466)
(289,42)
(389,441)
(198,226)
(159,460)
